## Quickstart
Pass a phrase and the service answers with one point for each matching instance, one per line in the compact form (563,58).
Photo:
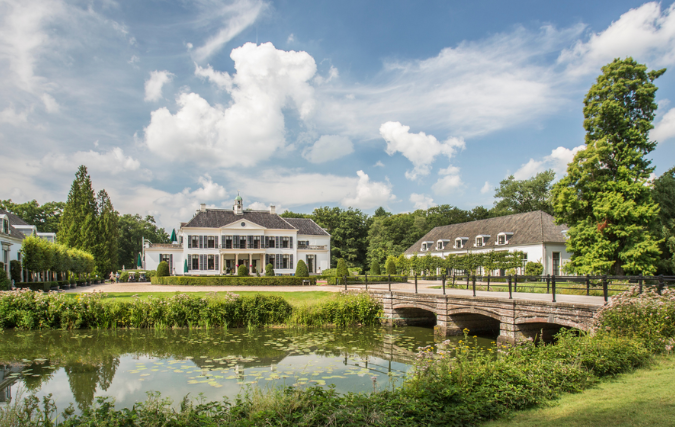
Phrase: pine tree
(342,269)
(107,247)
(391,265)
(375,268)
(604,198)
(78,228)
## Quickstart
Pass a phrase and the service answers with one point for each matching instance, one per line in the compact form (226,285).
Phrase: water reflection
(80,365)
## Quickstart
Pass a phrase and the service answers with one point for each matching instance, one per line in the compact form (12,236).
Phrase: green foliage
(391,265)
(107,249)
(527,195)
(45,218)
(344,310)
(242,271)
(301,269)
(269,270)
(349,232)
(15,270)
(534,268)
(342,268)
(334,280)
(132,229)
(663,192)
(289,214)
(77,227)
(647,316)
(231,281)
(163,269)
(124,277)
(5,283)
(604,198)
(375,267)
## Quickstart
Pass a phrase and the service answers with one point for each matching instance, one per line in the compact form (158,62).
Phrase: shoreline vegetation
(456,384)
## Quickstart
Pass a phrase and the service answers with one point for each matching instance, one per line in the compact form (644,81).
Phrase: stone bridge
(511,319)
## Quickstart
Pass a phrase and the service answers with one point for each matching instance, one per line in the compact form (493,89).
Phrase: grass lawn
(296,298)
(645,397)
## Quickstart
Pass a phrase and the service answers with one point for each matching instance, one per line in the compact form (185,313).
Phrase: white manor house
(217,241)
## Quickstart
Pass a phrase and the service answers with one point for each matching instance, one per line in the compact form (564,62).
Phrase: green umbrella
(173,236)
(185,270)
(139,263)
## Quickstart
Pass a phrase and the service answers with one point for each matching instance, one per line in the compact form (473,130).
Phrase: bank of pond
(355,375)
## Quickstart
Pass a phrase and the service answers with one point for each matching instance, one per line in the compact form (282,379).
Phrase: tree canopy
(604,198)
(527,195)
(45,217)
(663,192)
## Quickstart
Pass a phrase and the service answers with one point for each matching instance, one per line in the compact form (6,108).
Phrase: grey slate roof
(307,226)
(527,228)
(13,219)
(216,218)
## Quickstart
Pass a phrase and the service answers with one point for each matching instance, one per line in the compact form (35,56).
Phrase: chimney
(202,207)
(273,209)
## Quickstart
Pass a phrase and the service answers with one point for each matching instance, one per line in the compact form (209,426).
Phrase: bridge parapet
(511,319)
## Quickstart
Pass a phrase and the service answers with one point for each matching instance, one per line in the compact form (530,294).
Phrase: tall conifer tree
(77,228)
(604,197)
(106,259)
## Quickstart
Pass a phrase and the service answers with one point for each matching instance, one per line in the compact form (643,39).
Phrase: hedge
(362,279)
(231,281)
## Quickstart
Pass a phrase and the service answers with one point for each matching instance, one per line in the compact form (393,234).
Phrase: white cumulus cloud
(153,86)
(421,201)
(252,127)
(369,194)
(557,160)
(421,149)
(327,148)
(486,188)
(448,182)
(13,117)
(220,79)
(665,128)
(50,103)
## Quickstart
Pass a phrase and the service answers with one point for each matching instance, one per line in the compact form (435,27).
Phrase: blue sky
(303,104)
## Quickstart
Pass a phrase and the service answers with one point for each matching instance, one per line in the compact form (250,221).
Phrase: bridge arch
(477,321)
(414,315)
(543,328)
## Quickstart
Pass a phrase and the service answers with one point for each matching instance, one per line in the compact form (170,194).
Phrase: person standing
(117,277)
(112,277)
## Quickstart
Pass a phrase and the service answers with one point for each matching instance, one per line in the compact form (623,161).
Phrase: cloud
(13,117)
(665,128)
(113,162)
(237,16)
(449,181)
(290,39)
(379,164)
(369,194)
(50,103)
(153,86)
(557,160)
(486,188)
(421,149)
(327,148)
(421,201)
(252,127)
(646,33)
(222,80)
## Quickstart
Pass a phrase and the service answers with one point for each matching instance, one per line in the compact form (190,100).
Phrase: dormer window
(564,233)
(460,242)
(481,240)
(441,244)
(426,246)
(4,222)
(503,238)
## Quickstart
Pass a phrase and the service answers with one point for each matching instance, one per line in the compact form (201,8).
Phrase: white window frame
(503,235)
(462,242)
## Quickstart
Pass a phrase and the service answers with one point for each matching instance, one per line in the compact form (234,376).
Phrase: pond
(77,366)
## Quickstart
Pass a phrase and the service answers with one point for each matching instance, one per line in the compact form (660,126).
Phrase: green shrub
(375,268)
(301,269)
(362,279)
(391,265)
(124,277)
(5,283)
(534,268)
(151,273)
(34,286)
(242,271)
(163,269)
(269,270)
(342,268)
(231,281)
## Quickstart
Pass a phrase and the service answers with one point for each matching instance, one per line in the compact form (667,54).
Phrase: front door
(310,263)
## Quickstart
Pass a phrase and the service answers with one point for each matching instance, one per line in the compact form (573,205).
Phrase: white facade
(217,241)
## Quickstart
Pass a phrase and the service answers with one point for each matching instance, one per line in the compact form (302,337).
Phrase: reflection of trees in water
(84,378)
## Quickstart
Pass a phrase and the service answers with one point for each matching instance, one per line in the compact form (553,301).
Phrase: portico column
(236,263)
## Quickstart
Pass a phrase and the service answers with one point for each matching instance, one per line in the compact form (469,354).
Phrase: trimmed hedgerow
(231,281)
(352,280)
(163,269)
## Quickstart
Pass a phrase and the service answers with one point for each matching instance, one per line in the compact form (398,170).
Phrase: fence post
(468,278)
(474,285)
(415,282)
(488,282)
(548,283)
(515,283)
(366,281)
(640,282)
(588,284)
(510,294)
(345,278)
(553,286)
(661,284)
(443,279)
(390,283)
(604,287)
(454,274)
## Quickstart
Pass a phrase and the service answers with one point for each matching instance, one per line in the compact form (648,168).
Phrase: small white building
(217,241)
(533,233)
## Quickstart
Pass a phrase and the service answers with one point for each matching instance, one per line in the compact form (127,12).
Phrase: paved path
(423,288)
